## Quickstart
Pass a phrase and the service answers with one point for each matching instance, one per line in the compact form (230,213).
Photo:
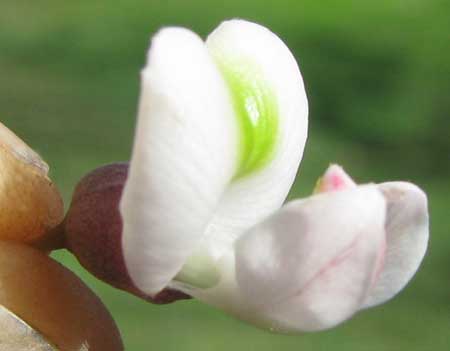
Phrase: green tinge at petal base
(257,113)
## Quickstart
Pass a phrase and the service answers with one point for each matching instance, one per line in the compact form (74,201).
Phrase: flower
(220,135)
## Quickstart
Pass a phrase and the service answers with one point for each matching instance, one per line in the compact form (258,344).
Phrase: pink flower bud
(334,179)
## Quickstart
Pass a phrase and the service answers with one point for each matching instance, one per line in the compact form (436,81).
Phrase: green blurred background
(377,75)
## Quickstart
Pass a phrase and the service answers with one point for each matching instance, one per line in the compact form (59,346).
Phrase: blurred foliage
(377,77)
(376,72)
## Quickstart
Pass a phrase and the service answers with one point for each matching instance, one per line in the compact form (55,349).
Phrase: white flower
(221,131)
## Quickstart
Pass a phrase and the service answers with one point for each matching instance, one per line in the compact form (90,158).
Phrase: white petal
(311,265)
(184,156)
(258,58)
(407,239)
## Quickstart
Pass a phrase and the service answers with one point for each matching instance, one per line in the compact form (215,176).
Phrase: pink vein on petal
(333,263)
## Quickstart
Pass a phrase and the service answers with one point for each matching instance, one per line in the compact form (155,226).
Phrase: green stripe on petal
(256,110)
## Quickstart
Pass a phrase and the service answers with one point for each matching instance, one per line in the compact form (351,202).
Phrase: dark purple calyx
(93,229)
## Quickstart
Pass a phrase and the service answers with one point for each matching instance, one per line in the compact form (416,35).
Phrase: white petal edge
(252,198)
(306,268)
(183,157)
(407,239)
